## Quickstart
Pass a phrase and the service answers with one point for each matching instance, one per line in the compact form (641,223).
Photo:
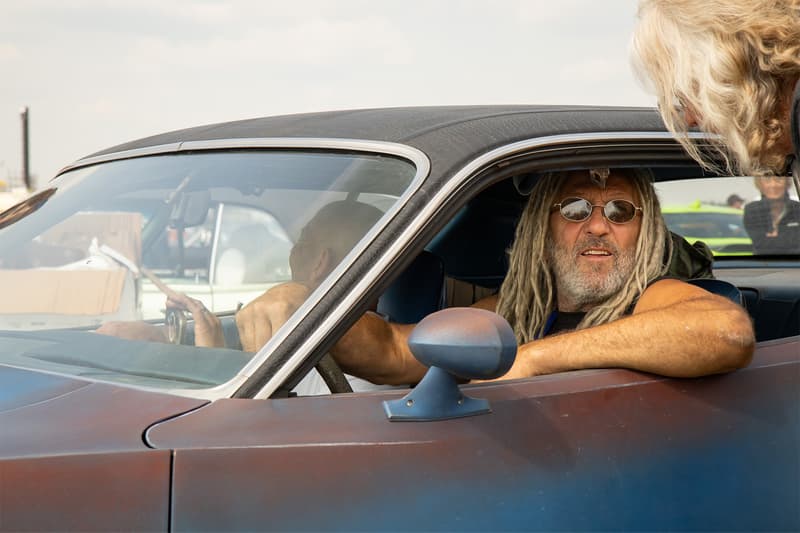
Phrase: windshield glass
(106,247)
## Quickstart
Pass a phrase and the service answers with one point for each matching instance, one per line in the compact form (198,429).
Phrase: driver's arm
(134,330)
(207,327)
(377,350)
(261,318)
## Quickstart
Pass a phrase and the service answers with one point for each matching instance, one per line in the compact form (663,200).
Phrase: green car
(720,227)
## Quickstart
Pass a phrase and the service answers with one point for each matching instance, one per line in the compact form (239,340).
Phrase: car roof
(449,135)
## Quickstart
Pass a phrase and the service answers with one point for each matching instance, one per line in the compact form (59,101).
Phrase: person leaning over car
(585,289)
(729,67)
(773,222)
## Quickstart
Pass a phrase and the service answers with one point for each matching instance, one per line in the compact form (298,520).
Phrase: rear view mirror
(190,209)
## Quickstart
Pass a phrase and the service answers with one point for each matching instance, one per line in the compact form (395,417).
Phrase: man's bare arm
(261,318)
(377,350)
(676,330)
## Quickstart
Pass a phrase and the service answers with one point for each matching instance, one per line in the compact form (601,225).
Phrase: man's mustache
(594,242)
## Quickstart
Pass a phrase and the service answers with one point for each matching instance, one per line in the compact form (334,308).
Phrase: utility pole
(26,174)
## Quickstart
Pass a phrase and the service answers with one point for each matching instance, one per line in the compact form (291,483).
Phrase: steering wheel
(181,331)
(332,374)
(176,324)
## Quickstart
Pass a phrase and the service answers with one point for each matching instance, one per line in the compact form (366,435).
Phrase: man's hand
(207,327)
(137,331)
(258,320)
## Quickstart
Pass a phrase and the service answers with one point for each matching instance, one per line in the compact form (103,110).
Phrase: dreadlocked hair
(528,293)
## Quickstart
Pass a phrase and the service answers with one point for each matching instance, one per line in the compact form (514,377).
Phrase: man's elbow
(738,341)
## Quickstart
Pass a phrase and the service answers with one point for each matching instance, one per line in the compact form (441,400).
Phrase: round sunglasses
(580,209)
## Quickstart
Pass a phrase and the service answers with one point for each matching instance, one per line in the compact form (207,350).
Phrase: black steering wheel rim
(329,370)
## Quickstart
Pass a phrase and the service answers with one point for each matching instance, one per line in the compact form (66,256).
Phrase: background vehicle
(721,228)
(105,433)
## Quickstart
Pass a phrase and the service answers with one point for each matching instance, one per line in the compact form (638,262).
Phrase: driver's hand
(207,327)
(137,331)
(262,317)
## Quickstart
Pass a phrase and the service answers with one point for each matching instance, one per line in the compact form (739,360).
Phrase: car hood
(43,414)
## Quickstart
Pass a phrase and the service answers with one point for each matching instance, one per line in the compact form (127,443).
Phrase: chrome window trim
(425,213)
(379,147)
(127,154)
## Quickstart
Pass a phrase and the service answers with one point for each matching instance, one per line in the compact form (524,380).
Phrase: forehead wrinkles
(616,187)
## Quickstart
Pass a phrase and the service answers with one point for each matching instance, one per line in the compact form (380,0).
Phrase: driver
(323,242)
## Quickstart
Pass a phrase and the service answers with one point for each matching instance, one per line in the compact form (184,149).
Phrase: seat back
(720,287)
(416,293)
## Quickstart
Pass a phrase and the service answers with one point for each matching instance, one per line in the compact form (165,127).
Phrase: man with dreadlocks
(585,289)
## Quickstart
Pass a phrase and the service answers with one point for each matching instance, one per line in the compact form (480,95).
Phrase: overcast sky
(97,73)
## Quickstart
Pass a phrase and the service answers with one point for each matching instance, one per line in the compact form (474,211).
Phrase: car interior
(449,273)
(465,260)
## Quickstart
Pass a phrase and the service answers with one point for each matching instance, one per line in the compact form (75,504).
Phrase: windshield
(104,246)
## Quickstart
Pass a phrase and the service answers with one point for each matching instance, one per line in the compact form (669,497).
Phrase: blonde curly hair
(733,63)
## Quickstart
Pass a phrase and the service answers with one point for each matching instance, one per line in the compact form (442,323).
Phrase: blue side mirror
(456,343)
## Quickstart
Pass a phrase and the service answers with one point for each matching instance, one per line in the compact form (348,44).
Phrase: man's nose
(597,224)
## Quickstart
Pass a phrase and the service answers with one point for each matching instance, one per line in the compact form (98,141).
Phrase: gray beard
(586,289)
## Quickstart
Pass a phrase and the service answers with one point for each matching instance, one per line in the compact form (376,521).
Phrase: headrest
(524,183)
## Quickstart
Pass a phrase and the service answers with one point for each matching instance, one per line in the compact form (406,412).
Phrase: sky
(98,73)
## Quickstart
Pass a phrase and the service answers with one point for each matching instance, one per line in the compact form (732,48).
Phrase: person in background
(735,201)
(773,222)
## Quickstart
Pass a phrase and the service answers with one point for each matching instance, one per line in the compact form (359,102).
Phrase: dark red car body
(603,449)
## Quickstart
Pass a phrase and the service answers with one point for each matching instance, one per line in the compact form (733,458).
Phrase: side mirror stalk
(456,343)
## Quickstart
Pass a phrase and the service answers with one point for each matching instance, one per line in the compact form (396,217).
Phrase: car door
(592,449)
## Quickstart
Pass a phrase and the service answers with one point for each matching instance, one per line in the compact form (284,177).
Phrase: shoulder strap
(551,319)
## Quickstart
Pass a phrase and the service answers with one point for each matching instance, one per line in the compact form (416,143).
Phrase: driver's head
(576,258)
(328,238)
(592,258)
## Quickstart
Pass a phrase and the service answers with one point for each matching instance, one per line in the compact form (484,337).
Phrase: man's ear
(322,266)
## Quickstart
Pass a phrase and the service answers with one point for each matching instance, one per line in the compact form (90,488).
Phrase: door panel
(123,491)
(603,449)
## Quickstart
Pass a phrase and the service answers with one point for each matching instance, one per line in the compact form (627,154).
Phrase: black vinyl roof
(449,135)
